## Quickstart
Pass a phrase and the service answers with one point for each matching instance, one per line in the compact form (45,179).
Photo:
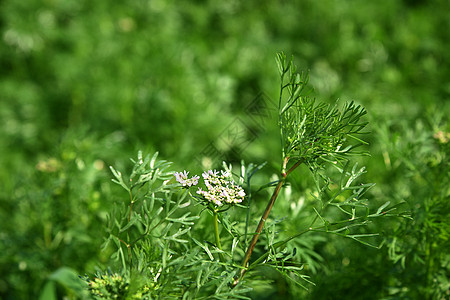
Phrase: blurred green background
(86,84)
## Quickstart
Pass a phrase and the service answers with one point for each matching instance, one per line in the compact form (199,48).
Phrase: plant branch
(313,229)
(265,215)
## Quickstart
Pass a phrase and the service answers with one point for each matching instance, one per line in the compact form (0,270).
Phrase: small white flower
(182,177)
(221,188)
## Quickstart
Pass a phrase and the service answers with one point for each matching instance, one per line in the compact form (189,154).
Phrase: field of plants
(353,145)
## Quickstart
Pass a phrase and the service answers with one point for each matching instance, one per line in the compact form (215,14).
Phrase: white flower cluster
(182,177)
(221,188)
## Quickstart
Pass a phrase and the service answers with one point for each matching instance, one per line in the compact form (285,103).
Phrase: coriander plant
(160,254)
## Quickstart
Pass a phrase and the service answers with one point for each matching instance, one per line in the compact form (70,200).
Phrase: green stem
(247,218)
(131,205)
(129,250)
(216,234)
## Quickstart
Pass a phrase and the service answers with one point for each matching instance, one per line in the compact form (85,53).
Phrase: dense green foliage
(86,84)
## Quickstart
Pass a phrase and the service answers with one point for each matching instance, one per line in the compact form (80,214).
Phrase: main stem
(266,213)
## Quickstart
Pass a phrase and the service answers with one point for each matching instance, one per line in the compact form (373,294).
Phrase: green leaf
(129,224)
(205,248)
(49,291)
(382,207)
(69,279)
(153,160)
(281,62)
(185,220)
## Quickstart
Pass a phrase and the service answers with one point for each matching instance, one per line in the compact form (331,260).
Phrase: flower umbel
(182,177)
(221,188)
